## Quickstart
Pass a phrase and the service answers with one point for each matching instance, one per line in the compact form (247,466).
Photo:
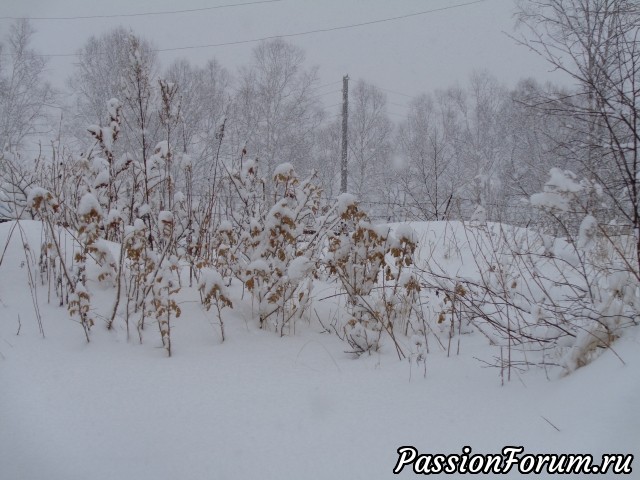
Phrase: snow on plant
(53,265)
(16,179)
(280,248)
(107,171)
(374,268)
(90,217)
(225,242)
(43,202)
(140,267)
(486,293)
(451,313)
(560,191)
(213,291)
(152,278)
(164,283)
(90,220)
(544,300)
(250,208)
(401,304)
(148,267)
(106,136)
(164,290)
(272,245)
(603,259)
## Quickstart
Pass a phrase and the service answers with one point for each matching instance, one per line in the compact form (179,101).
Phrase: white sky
(410,56)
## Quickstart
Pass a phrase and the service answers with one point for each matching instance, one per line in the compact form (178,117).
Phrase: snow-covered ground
(262,406)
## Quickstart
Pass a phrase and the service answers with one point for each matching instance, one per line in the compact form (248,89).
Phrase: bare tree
(370,135)
(454,151)
(479,143)
(326,158)
(119,65)
(531,147)
(25,96)
(596,43)
(275,112)
(426,146)
(204,96)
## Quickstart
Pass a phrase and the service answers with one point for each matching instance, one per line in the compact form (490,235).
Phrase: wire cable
(397,93)
(325,93)
(142,14)
(324,30)
(288,35)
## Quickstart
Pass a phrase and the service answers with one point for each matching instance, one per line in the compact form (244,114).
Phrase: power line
(397,93)
(289,35)
(325,93)
(324,30)
(142,14)
(398,104)
(314,89)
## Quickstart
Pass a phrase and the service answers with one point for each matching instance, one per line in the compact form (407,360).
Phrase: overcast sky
(410,56)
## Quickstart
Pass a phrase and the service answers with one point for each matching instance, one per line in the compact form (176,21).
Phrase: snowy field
(264,406)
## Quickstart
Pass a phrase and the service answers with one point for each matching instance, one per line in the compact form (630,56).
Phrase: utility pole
(345,123)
